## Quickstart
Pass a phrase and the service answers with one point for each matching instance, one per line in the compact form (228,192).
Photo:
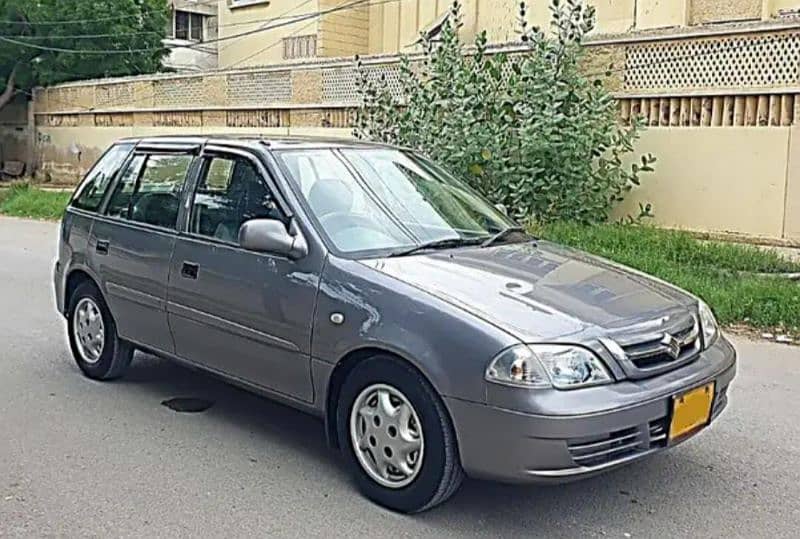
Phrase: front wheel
(98,350)
(397,436)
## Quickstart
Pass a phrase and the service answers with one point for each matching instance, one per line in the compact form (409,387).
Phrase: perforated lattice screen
(179,93)
(339,84)
(758,61)
(259,88)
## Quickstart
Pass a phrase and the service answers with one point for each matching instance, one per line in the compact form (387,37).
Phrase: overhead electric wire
(734,48)
(300,18)
(273,44)
(87,36)
(294,33)
(277,17)
(73,21)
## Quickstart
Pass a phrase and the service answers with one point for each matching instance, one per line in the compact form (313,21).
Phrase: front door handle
(189,270)
(102,247)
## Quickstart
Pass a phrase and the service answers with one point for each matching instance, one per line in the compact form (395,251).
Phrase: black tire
(116,354)
(441,473)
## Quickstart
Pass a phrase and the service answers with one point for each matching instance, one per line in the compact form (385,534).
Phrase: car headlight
(708,324)
(547,365)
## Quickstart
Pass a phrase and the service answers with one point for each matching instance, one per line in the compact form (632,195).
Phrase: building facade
(191,36)
(392,27)
(716,81)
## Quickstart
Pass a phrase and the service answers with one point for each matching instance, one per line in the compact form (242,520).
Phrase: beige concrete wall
(66,153)
(771,8)
(711,11)
(721,179)
(615,16)
(730,180)
(661,13)
(716,179)
(265,47)
(343,33)
(792,206)
(396,26)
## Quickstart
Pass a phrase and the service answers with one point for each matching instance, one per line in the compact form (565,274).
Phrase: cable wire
(278,17)
(314,15)
(271,45)
(734,48)
(294,33)
(73,21)
(86,36)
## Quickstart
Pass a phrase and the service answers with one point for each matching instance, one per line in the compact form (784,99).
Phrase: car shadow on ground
(635,492)
(232,405)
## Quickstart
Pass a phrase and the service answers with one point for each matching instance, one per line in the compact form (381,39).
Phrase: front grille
(653,353)
(676,342)
(617,445)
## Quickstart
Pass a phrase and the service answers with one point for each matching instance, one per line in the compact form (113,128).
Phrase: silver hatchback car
(364,284)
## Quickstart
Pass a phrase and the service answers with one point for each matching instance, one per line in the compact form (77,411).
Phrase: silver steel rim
(387,436)
(88,330)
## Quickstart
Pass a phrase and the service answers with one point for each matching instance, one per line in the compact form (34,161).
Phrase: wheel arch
(75,278)
(342,370)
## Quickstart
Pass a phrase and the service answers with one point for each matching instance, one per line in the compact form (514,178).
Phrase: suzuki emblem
(672,345)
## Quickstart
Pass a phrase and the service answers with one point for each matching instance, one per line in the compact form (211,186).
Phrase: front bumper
(507,445)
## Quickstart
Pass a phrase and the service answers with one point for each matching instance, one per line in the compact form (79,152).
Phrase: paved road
(79,458)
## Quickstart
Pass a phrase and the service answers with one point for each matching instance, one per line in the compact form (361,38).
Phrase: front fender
(448,345)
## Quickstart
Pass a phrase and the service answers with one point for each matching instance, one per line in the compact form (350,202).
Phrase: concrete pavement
(80,458)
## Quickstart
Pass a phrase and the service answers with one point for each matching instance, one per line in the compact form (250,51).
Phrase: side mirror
(271,236)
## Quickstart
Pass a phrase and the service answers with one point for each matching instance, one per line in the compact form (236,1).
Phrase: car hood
(539,291)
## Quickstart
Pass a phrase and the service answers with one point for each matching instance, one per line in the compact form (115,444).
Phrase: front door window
(230,192)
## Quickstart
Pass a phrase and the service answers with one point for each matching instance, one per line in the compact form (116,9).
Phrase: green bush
(529,130)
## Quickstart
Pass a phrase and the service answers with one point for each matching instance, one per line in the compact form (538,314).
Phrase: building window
(300,47)
(188,26)
(242,3)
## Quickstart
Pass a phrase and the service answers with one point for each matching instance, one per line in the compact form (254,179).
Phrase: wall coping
(692,32)
(210,108)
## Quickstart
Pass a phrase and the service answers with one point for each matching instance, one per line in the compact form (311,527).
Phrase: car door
(245,314)
(132,241)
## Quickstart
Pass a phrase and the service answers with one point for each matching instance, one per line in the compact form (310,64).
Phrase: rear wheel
(397,436)
(96,347)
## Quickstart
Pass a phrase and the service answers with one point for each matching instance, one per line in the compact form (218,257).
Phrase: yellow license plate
(691,411)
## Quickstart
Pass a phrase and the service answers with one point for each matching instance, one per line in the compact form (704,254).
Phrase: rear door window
(91,192)
(149,191)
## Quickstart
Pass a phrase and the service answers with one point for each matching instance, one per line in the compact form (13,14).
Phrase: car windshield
(389,200)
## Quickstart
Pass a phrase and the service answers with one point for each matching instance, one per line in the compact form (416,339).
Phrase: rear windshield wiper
(446,243)
(503,234)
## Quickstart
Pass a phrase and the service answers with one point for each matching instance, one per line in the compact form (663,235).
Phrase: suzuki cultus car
(365,284)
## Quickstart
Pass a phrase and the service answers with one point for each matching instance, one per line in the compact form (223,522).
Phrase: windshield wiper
(503,234)
(446,243)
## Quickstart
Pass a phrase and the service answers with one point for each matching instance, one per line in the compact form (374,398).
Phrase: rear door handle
(189,270)
(102,247)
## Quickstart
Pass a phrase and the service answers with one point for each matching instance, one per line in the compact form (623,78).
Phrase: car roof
(270,141)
